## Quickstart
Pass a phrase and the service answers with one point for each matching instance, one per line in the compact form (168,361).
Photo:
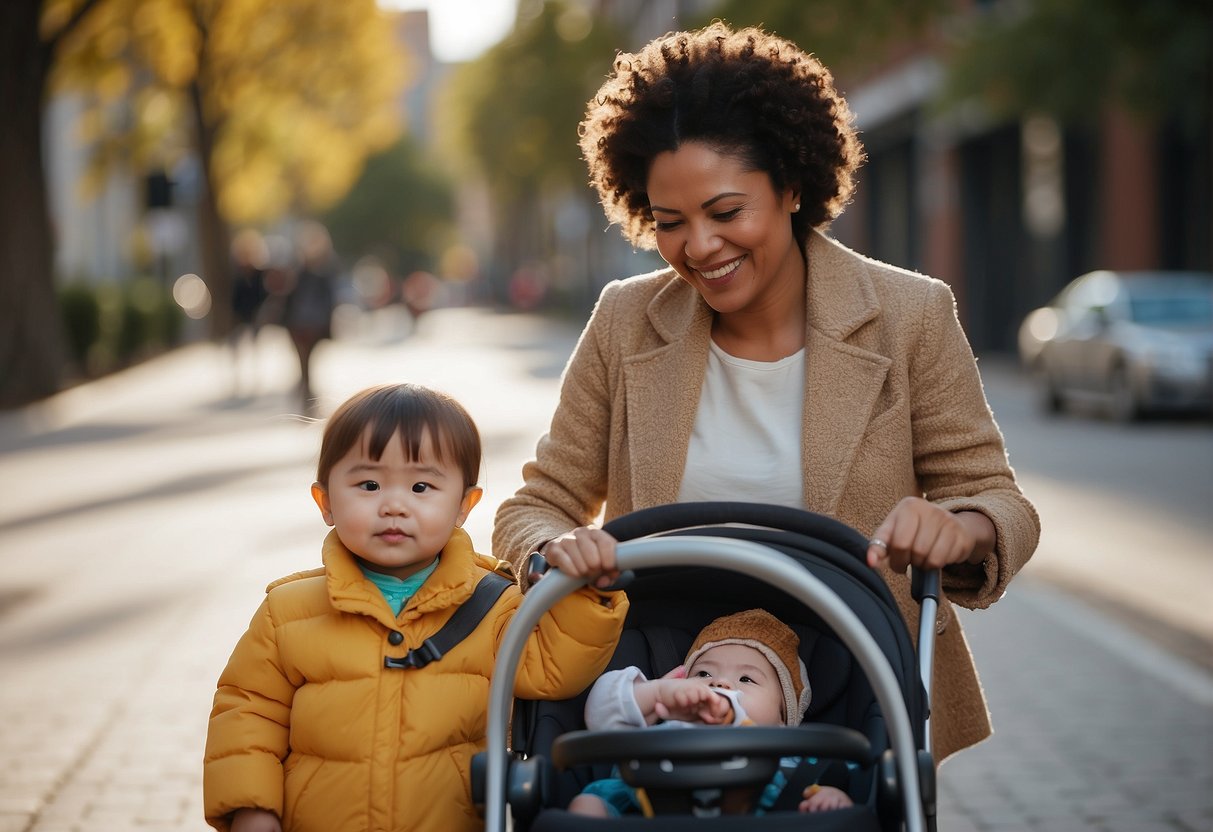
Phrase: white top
(745,445)
(612,703)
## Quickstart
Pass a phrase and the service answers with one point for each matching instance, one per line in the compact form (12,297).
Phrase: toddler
(334,711)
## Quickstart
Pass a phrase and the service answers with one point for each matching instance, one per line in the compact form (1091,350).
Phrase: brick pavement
(1095,729)
(110,666)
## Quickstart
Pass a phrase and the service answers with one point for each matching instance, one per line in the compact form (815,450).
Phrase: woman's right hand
(585,552)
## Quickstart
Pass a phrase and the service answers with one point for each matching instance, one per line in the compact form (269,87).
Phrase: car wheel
(1122,398)
(1048,391)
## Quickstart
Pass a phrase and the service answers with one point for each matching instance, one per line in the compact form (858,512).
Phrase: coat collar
(842,380)
(841,296)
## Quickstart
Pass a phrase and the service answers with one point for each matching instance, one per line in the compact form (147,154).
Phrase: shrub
(110,325)
(81,319)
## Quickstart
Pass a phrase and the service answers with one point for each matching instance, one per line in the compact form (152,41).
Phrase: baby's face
(745,669)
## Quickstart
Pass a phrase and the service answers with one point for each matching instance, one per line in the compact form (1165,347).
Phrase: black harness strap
(662,649)
(458,627)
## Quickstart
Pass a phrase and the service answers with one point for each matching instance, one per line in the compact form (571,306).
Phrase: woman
(769,363)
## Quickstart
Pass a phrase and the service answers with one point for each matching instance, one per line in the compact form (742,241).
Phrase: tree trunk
(214,238)
(32,346)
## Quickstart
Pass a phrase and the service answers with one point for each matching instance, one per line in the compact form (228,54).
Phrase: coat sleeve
(248,734)
(959,455)
(565,485)
(571,646)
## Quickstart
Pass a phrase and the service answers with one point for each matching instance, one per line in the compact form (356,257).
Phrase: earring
(795,207)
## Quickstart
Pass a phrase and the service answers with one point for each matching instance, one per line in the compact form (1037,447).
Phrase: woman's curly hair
(748,93)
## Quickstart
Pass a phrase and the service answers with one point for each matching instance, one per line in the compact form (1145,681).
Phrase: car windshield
(1187,308)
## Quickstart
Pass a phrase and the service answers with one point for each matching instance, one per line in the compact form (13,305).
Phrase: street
(145,513)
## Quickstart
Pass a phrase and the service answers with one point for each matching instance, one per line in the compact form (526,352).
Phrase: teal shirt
(395,591)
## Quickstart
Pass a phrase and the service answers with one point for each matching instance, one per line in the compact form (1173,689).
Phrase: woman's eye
(421,487)
(369,485)
(727,215)
(666,225)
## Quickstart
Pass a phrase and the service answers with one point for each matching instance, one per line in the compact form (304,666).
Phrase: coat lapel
(662,389)
(841,386)
(842,380)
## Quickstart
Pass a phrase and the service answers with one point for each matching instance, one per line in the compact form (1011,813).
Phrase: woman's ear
(470,498)
(321,495)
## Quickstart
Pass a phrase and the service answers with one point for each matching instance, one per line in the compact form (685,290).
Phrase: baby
(743,669)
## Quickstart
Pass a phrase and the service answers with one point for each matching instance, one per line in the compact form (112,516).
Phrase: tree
(32,344)
(1071,58)
(514,111)
(1066,58)
(283,100)
(401,209)
(286,98)
(847,35)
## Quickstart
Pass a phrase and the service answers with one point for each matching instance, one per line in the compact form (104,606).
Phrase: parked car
(1135,342)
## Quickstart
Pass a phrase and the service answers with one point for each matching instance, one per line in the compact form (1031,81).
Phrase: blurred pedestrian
(769,363)
(307,307)
(250,257)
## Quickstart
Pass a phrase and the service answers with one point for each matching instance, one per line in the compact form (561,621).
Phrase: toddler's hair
(410,410)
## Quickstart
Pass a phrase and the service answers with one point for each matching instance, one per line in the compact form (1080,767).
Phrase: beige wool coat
(894,406)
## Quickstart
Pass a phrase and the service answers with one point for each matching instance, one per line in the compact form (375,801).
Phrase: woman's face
(724,228)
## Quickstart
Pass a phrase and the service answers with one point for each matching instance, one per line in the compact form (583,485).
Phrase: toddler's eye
(747,679)
(421,487)
(369,485)
(703,674)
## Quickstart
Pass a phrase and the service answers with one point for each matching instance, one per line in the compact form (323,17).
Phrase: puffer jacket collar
(459,569)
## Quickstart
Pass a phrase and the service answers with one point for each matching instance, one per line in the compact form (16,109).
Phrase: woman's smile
(717,272)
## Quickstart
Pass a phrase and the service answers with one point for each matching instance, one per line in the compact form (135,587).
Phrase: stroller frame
(751,558)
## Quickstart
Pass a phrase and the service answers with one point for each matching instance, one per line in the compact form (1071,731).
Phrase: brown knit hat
(775,640)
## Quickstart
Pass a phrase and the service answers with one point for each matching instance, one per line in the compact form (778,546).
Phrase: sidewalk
(146,512)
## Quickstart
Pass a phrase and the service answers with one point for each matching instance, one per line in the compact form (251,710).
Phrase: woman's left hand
(919,533)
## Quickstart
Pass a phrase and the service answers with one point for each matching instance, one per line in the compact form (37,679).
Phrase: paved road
(144,513)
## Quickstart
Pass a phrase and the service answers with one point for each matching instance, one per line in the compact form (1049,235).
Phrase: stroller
(687,564)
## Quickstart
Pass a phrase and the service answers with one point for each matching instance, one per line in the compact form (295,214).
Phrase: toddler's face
(394,513)
(745,669)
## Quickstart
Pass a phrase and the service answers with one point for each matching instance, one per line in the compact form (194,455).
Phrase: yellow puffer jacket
(309,724)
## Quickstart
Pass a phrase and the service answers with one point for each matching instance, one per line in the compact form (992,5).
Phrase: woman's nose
(701,242)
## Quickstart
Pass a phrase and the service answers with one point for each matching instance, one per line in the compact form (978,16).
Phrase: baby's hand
(255,820)
(824,799)
(585,552)
(692,700)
